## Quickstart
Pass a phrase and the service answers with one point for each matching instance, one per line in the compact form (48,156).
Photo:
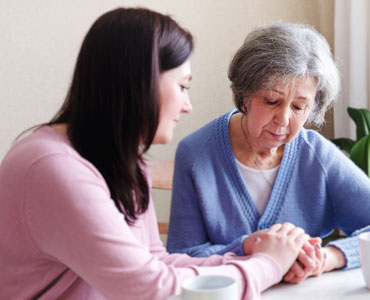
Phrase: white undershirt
(257,186)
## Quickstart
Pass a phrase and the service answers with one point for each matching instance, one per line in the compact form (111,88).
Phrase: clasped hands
(298,254)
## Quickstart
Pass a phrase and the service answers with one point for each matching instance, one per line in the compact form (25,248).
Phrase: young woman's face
(173,89)
(275,117)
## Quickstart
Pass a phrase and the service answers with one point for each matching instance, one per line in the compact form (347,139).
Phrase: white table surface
(336,285)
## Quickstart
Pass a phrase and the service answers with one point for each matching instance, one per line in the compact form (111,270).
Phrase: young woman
(77,220)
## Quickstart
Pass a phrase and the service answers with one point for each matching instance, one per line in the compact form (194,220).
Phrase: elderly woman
(257,166)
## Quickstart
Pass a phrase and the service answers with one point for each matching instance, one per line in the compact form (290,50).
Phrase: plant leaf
(361,117)
(360,154)
(344,144)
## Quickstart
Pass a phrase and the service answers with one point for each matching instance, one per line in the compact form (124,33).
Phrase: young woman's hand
(248,243)
(282,242)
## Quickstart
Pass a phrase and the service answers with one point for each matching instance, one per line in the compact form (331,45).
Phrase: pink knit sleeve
(72,220)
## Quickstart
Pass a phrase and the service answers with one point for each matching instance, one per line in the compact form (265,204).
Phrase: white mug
(208,287)
(364,241)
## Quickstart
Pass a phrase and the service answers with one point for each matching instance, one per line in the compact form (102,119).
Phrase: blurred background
(40,40)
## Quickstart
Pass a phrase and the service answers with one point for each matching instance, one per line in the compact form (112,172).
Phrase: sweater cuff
(254,273)
(260,271)
(349,247)
(269,269)
(238,246)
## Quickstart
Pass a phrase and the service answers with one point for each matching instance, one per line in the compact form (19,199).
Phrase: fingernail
(318,246)
(324,255)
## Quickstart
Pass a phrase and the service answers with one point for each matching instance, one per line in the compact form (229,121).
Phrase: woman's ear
(245,108)
(245,105)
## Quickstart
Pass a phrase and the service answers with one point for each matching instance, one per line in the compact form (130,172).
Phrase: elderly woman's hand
(310,262)
(326,259)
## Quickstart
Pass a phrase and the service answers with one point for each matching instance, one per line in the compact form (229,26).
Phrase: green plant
(359,150)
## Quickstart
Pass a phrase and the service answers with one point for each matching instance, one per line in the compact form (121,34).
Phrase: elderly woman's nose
(282,116)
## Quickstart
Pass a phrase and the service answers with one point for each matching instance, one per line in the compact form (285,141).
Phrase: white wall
(40,39)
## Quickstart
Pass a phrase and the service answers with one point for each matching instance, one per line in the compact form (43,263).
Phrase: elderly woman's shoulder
(215,129)
(316,140)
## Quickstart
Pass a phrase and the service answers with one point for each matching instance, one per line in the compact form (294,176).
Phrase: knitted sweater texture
(317,188)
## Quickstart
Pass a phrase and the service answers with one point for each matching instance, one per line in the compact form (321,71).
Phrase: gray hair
(284,51)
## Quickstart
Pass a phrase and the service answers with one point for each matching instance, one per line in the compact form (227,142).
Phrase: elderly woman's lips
(278,136)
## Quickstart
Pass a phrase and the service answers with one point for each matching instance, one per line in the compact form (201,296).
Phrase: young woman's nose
(187,107)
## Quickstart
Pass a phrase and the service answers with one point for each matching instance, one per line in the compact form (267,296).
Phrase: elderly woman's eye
(270,102)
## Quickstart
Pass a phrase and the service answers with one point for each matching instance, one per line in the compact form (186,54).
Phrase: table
(336,285)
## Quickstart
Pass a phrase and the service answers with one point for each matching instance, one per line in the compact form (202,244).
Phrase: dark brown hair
(112,107)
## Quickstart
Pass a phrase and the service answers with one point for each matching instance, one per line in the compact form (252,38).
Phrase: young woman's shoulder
(41,143)
(47,151)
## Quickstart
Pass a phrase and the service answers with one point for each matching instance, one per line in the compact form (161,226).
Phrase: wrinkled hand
(326,259)
(282,242)
(310,262)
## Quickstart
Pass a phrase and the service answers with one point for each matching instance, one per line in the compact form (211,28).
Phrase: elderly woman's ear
(245,108)
(244,105)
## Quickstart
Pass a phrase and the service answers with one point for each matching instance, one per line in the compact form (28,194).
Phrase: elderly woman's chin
(274,141)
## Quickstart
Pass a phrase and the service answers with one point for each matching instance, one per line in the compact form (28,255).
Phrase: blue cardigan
(317,188)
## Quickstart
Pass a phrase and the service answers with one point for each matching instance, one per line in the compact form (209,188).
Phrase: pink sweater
(61,235)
